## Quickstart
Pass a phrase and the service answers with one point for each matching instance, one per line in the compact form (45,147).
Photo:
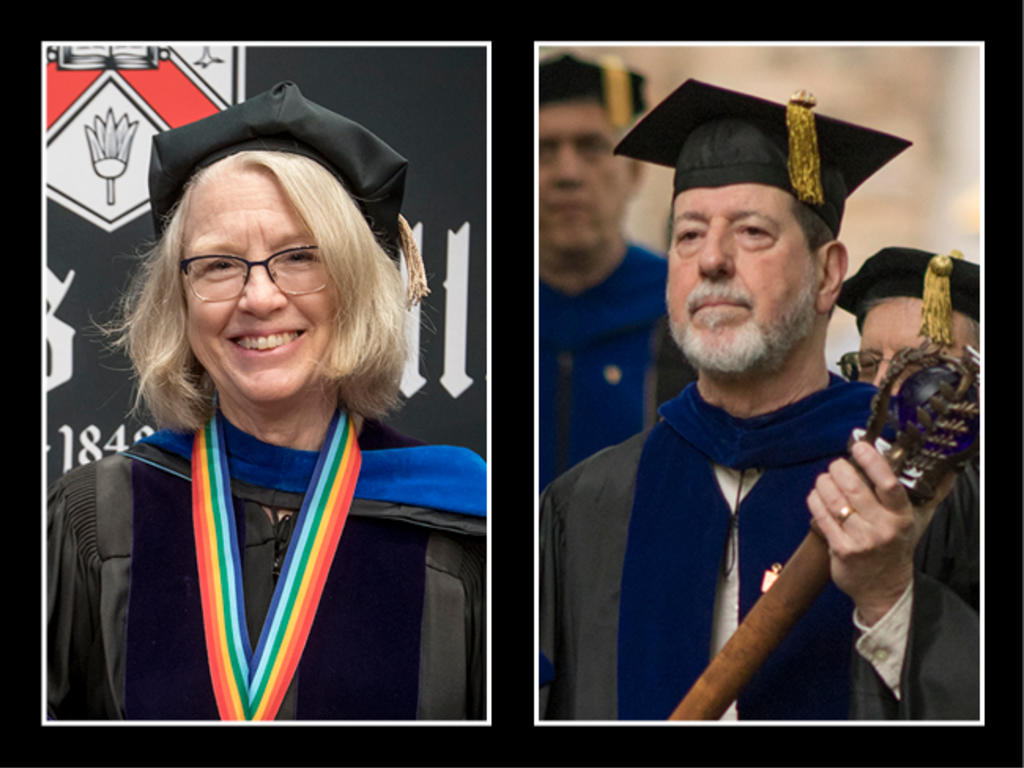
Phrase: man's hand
(871,528)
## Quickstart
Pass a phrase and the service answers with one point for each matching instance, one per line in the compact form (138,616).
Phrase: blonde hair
(367,350)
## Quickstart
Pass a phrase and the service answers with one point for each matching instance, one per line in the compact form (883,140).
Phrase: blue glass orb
(916,392)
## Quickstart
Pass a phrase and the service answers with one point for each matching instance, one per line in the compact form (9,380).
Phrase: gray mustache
(717,292)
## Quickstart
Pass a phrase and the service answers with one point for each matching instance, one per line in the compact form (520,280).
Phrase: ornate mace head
(935,414)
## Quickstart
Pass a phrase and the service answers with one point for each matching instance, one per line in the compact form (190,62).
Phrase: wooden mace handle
(773,615)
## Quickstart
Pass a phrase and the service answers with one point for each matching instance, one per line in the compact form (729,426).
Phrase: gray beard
(752,347)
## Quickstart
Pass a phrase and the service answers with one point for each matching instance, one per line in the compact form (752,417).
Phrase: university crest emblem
(103,105)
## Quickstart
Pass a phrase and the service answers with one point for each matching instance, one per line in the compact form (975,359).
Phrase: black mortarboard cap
(896,272)
(282,119)
(714,137)
(620,91)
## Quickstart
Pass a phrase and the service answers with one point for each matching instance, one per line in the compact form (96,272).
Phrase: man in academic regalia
(606,358)
(654,550)
(887,298)
(892,297)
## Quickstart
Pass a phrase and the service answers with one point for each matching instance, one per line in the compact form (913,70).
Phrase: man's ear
(834,261)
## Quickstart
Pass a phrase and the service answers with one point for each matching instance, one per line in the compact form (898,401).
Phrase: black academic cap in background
(894,272)
(282,119)
(620,91)
(714,137)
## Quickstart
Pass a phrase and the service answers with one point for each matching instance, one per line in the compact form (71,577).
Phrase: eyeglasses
(861,366)
(219,278)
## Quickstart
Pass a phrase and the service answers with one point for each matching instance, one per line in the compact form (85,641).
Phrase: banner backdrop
(103,104)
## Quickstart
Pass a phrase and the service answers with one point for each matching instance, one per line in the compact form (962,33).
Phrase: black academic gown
(585,527)
(412,592)
(940,679)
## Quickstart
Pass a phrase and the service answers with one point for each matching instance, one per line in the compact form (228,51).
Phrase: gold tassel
(417,287)
(804,163)
(618,91)
(936,304)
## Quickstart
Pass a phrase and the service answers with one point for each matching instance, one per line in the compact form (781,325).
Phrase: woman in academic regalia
(274,551)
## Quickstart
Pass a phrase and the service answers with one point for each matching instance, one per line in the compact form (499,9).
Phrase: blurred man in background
(606,360)
(886,297)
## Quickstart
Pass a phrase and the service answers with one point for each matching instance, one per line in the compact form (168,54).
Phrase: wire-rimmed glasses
(861,366)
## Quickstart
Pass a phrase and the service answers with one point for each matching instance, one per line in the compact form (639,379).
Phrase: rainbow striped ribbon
(248,685)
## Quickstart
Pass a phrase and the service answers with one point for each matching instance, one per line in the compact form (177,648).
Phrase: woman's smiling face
(263,349)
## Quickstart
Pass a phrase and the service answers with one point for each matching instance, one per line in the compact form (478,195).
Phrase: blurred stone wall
(928,197)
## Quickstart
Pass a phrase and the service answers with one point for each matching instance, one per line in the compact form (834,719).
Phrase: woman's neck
(302,428)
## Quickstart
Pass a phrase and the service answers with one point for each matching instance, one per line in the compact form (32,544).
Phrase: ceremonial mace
(936,416)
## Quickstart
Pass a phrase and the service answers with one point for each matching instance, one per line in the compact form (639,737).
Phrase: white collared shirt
(883,644)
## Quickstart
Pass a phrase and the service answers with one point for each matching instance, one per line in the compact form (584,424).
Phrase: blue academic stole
(677,534)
